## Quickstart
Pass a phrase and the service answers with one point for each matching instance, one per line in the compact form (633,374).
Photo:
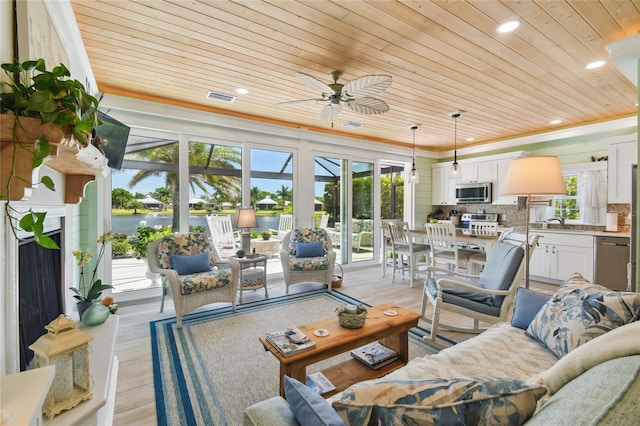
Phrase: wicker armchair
(315,268)
(194,273)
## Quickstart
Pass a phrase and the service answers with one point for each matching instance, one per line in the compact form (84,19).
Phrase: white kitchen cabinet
(502,166)
(623,152)
(560,254)
(442,187)
(481,171)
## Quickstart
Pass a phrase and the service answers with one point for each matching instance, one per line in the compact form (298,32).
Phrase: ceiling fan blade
(314,83)
(367,105)
(329,112)
(302,101)
(366,86)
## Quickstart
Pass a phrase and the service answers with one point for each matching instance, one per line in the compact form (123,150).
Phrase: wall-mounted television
(113,137)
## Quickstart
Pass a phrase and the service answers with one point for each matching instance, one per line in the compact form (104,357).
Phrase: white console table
(22,395)
(103,364)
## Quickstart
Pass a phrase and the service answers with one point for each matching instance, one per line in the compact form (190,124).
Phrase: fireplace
(40,291)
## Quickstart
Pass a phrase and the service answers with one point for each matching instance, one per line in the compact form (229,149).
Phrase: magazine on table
(290,341)
(374,355)
(319,383)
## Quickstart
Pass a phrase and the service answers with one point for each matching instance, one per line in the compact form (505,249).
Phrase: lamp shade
(246,218)
(540,175)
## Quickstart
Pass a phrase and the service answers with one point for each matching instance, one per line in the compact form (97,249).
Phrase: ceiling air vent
(220,97)
(352,125)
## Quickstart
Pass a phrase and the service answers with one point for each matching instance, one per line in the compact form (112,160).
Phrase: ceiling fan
(356,94)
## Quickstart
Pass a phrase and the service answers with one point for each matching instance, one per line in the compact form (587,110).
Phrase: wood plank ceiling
(442,55)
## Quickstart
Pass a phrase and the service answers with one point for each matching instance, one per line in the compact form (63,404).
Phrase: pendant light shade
(455,167)
(414,176)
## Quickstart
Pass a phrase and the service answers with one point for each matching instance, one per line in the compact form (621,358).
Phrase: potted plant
(266,235)
(88,292)
(38,108)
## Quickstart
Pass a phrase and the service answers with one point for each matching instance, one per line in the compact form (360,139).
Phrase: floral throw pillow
(446,401)
(581,311)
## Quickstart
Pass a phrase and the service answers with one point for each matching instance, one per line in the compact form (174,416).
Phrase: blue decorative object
(95,315)
(309,249)
(190,264)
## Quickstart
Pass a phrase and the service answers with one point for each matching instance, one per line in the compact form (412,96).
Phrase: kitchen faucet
(560,220)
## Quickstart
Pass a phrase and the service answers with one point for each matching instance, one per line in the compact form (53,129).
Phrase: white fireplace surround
(59,216)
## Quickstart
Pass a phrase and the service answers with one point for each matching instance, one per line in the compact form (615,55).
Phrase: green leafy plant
(52,96)
(146,235)
(91,290)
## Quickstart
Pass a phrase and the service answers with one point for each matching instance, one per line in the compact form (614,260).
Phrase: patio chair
(222,234)
(307,255)
(194,273)
(488,297)
(402,246)
(285,225)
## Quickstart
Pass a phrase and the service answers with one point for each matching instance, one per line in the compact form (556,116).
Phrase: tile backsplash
(512,216)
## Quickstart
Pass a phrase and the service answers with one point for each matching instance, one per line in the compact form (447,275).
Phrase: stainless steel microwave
(473,193)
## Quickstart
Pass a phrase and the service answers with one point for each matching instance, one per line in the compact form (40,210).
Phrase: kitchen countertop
(582,232)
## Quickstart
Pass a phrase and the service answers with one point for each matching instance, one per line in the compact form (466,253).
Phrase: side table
(253,273)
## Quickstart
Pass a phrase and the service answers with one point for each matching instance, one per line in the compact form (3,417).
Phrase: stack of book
(290,341)
(319,383)
(374,355)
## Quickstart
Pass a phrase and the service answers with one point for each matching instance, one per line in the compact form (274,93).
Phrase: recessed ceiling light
(242,91)
(555,122)
(595,64)
(470,139)
(507,27)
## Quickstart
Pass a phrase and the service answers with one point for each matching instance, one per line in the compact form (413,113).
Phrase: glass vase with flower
(89,291)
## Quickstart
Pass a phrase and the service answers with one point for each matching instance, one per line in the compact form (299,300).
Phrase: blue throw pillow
(190,264)
(528,303)
(307,406)
(309,249)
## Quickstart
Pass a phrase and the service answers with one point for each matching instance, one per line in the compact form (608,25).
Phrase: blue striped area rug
(209,371)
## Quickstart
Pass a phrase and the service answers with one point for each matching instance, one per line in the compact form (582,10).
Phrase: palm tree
(255,195)
(200,154)
(285,194)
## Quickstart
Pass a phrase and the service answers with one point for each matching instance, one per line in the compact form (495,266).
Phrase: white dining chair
(445,247)
(478,260)
(402,246)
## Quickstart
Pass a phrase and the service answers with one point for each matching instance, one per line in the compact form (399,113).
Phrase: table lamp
(533,176)
(245,219)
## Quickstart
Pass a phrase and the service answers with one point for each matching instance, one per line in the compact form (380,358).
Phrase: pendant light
(414,176)
(455,167)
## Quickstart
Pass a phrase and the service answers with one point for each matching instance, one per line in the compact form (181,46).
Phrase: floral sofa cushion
(308,235)
(464,400)
(192,244)
(580,311)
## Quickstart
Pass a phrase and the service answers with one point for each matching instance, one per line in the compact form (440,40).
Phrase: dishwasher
(611,256)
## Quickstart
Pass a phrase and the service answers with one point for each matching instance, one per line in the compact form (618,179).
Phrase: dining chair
(478,260)
(445,247)
(403,246)
(385,241)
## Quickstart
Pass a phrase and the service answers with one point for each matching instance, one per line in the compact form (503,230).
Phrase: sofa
(570,358)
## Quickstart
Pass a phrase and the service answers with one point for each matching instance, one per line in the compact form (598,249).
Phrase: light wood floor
(135,400)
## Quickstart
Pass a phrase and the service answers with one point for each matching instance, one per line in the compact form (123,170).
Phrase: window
(586,199)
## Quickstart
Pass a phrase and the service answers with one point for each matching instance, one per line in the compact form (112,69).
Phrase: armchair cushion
(501,268)
(190,264)
(308,263)
(309,249)
(308,235)
(462,297)
(580,311)
(192,245)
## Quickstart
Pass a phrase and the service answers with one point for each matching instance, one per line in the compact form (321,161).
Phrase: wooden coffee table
(391,331)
